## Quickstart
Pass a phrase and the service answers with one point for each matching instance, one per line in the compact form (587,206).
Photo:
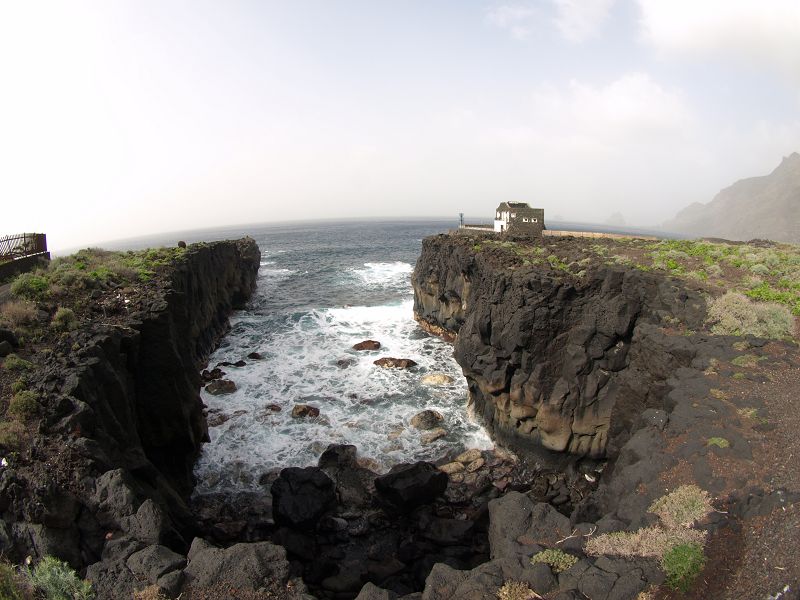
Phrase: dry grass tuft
(682,506)
(516,590)
(649,541)
(16,313)
(151,592)
(734,314)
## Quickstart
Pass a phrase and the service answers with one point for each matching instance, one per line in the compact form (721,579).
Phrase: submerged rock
(220,387)
(388,362)
(437,379)
(426,419)
(301,411)
(367,345)
(433,435)
(255,356)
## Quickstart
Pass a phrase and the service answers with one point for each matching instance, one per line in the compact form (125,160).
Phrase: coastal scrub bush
(682,506)
(759,269)
(558,560)
(13,586)
(23,405)
(733,314)
(516,590)
(18,385)
(17,312)
(55,580)
(682,564)
(13,362)
(31,286)
(64,320)
(11,434)
(749,361)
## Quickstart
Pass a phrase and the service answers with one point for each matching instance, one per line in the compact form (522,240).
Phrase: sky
(127,118)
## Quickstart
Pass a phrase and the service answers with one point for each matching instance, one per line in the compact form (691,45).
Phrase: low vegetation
(13,585)
(718,442)
(682,563)
(558,560)
(16,364)
(674,541)
(17,313)
(55,580)
(24,405)
(64,320)
(516,590)
(11,434)
(735,314)
(151,592)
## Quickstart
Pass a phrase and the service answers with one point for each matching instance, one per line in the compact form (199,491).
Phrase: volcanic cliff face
(124,419)
(552,360)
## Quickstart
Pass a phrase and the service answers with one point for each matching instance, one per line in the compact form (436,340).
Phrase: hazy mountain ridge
(758,207)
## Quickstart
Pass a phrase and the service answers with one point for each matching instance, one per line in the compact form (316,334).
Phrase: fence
(13,247)
(596,234)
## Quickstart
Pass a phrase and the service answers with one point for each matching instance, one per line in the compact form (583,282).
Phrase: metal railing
(21,245)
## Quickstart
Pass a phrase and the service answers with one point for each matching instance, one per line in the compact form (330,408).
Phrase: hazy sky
(125,118)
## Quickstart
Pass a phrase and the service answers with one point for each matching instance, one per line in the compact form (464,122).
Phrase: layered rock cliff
(112,466)
(554,360)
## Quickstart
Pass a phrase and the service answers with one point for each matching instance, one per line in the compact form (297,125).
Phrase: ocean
(323,287)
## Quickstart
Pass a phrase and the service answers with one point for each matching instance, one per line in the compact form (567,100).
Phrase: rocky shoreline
(605,387)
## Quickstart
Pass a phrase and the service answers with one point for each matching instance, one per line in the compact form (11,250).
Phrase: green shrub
(23,405)
(11,434)
(19,385)
(734,314)
(13,362)
(682,564)
(719,442)
(558,560)
(31,286)
(55,580)
(759,269)
(64,320)
(12,584)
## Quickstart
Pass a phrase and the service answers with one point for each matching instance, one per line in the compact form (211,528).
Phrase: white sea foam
(385,274)
(361,404)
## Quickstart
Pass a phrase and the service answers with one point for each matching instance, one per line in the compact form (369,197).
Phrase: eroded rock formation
(551,360)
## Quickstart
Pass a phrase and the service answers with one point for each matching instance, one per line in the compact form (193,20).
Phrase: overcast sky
(119,119)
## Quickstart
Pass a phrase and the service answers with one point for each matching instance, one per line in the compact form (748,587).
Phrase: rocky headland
(645,435)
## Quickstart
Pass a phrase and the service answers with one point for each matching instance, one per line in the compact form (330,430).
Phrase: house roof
(514,205)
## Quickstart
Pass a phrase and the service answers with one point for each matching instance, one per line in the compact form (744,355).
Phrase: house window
(524,219)
(534,220)
(513,215)
(498,214)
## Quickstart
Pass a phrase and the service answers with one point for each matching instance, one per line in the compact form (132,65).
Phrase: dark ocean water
(321,288)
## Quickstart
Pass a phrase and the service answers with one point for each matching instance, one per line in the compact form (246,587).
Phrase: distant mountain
(765,207)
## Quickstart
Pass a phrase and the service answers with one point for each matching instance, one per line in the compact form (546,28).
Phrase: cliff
(766,207)
(553,360)
(123,421)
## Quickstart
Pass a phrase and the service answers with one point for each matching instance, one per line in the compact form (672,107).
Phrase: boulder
(255,356)
(437,379)
(433,435)
(367,345)
(6,335)
(516,523)
(301,496)
(154,561)
(301,411)
(370,591)
(427,419)
(469,456)
(388,362)
(5,348)
(408,486)
(452,467)
(242,566)
(221,386)
(213,374)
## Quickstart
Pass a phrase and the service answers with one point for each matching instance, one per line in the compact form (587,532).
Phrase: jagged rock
(220,387)
(408,486)
(516,516)
(301,411)
(395,363)
(155,561)
(370,591)
(426,419)
(242,566)
(437,379)
(255,356)
(273,407)
(433,435)
(354,482)
(367,345)
(212,375)
(301,496)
